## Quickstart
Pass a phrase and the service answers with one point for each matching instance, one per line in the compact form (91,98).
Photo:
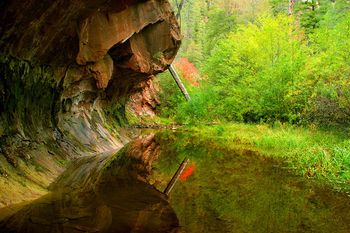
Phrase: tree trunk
(179,6)
(179,83)
(291,7)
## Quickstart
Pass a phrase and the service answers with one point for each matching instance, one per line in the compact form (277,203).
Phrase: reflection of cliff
(116,197)
(63,66)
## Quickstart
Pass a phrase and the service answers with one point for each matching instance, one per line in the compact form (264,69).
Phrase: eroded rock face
(104,29)
(102,71)
(65,64)
(145,101)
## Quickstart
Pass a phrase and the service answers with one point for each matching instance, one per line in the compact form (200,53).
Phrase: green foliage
(170,95)
(268,71)
(329,69)
(193,29)
(200,108)
(118,115)
(254,72)
(220,23)
(203,23)
(279,6)
(311,13)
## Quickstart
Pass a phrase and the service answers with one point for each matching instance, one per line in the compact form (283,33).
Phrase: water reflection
(219,190)
(107,194)
(241,191)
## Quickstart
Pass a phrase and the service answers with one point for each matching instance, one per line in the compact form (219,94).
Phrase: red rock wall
(63,65)
(99,52)
(145,101)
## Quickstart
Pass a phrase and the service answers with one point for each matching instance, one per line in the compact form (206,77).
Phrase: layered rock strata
(67,68)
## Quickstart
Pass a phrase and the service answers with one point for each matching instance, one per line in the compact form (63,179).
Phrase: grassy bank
(310,152)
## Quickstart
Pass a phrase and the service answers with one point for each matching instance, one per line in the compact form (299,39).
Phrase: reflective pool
(219,190)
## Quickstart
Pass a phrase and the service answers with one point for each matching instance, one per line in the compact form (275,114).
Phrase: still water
(219,190)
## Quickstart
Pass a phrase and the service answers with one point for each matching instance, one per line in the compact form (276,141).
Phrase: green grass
(310,152)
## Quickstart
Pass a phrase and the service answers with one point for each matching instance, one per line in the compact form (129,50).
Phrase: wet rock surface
(104,194)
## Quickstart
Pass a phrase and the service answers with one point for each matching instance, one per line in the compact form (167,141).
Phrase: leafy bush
(170,95)
(255,71)
(329,69)
(268,71)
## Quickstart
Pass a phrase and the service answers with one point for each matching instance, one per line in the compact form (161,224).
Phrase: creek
(220,190)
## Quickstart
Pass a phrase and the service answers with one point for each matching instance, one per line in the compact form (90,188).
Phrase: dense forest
(263,61)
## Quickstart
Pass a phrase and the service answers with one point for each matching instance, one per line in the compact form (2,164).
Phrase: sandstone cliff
(67,70)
